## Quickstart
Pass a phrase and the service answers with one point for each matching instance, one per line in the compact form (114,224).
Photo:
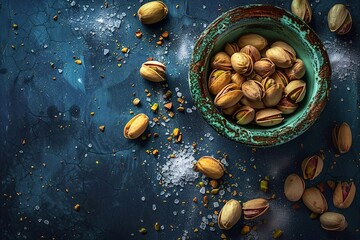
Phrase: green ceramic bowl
(274,24)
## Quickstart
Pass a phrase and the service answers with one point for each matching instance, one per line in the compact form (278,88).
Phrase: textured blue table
(53,155)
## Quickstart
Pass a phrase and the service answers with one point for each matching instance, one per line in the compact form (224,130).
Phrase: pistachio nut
(242,63)
(286,106)
(312,166)
(221,61)
(136,126)
(273,95)
(152,12)
(230,110)
(268,117)
(254,104)
(254,76)
(342,137)
(238,79)
(296,90)
(231,48)
(297,71)
(268,82)
(339,19)
(252,51)
(264,67)
(333,221)
(285,46)
(153,71)
(294,187)
(210,167)
(229,214)
(281,57)
(253,90)
(280,78)
(344,194)
(228,96)
(255,208)
(244,115)
(302,9)
(218,80)
(255,40)
(314,200)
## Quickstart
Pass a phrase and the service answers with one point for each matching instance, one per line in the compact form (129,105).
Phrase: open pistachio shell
(242,63)
(210,167)
(238,79)
(339,19)
(136,126)
(286,106)
(302,9)
(229,214)
(153,71)
(294,187)
(230,110)
(312,166)
(268,117)
(268,82)
(244,115)
(253,90)
(231,48)
(273,95)
(342,137)
(255,208)
(285,46)
(333,221)
(344,194)
(297,71)
(228,96)
(281,57)
(255,40)
(222,61)
(314,200)
(295,90)
(280,78)
(264,67)
(218,80)
(252,51)
(254,104)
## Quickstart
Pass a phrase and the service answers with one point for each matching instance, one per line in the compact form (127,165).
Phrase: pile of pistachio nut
(255,82)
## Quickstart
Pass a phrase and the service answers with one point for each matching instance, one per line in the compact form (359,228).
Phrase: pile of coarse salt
(178,171)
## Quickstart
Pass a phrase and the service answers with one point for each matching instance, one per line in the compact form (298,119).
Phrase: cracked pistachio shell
(255,208)
(297,71)
(342,137)
(252,51)
(273,95)
(312,166)
(302,9)
(210,167)
(230,214)
(295,90)
(339,19)
(221,61)
(218,80)
(253,90)
(253,104)
(268,82)
(264,67)
(228,96)
(152,12)
(281,57)
(314,200)
(344,194)
(294,187)
(231,48)
(280,78)
(136,126)
(238,79)
(268,117)
(242,63)
(153,71)
(285,46)
(333,221)
(254,76)
(230,110)
(286,106)
(244,115)
(255,40)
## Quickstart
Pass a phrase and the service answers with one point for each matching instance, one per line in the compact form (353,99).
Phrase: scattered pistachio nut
(136,126)
(255,208)
(333,221)
(312,166)
(210,167)
(339,19)
(229,214)
(302,9)
(344,194)
(153,71)
(294,187)
(342,137)
(152,12)
(314,200)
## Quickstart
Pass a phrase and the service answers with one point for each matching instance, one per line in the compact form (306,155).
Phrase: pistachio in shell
(295,90)
(255,40)
(273,95)
(312,166)
(314,200)
(253,90)
(268,117)
(333,221)
(230,110)
(297,71)
(342,137)
(344,194)
(252,51)
(281,57)
(210,167)
(136,126)
(238,79)
(244,115)
(230,214)
(242,63)
(255,208)
(254,104)
(218,80)
(285,46)
(339,19)
(153,71)
(228,96)
(302,9)
(294,187)
(231,48)
(152,12)
(268,82)
(286,106)
(264,67)
(280,77)
(221,60)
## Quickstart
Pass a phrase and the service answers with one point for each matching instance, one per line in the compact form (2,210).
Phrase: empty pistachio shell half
(286,106)
(314,200)
(255,40)
(268,117)
(218,80)
(229,214)
(228,96)
(231,48)
(152,12)
(136,126)
(252,51)
(242,63)
(294,187)
(253,90)
(281,57)
(342,137)
(153,71)
(295,90)
(339,19)
(302,9)
(312,166)
(255,208)
(210,167)
(221,60)
(333,221)
(244,115)
(344,194)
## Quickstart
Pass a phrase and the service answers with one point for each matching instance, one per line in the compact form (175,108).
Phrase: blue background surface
(66,160)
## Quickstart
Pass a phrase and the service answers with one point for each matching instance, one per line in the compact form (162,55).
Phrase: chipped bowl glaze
(273,23)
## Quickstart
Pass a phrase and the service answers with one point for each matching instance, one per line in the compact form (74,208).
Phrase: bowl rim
(197,72)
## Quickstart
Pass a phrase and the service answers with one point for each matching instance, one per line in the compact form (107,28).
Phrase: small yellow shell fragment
(78,61)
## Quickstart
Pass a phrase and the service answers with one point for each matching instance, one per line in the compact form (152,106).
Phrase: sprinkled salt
(216,204)
(178,94)
(154,207)
(175,213)
(73,3)
(203,226)
(202,190)
(143,198)
(212,229)
(176,201)
(106,51)
(221,192)
(189,110)
(177,89)
(46,222)
(90,145)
